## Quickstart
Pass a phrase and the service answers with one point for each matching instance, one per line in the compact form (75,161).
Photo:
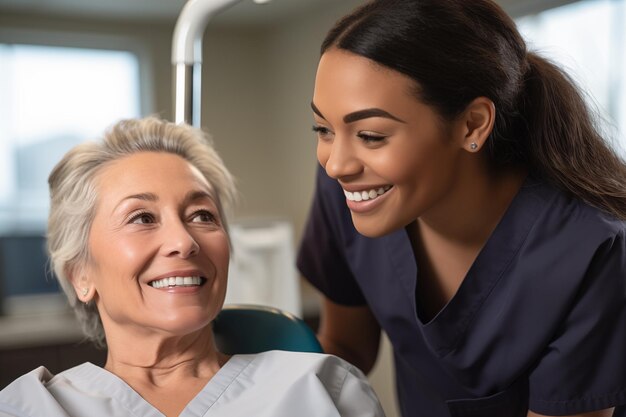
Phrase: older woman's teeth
(366,194)
(176,282)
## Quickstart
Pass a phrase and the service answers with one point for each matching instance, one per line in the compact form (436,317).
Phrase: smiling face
(389,151)
(158,251)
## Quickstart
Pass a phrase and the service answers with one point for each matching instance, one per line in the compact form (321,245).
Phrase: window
(52,98)
(588,39)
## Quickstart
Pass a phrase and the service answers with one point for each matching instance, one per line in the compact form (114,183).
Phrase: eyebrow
(198,195)
(142,196)
(362,114)
(191,196)
(317,111)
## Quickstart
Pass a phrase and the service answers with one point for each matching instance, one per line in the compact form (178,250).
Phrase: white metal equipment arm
(187,56)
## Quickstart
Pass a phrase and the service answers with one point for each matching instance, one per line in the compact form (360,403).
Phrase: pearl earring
(473,146)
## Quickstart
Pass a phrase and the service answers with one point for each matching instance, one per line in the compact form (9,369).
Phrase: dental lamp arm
(187,56)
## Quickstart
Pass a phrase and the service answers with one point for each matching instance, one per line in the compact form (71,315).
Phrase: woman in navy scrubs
(467,206)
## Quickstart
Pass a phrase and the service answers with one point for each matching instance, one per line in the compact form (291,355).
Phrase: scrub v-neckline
(444,329)
(98,379)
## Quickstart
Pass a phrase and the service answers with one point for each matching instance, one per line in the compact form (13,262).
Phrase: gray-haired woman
(138,240)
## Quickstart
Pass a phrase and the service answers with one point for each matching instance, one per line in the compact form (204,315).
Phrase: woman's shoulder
(37,377)
(31,391)
(301,362)
(326,381)
(27,394)
(289,367)
(570,212)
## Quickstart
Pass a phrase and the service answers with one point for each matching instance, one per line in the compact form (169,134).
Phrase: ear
(477,123)
(83,285)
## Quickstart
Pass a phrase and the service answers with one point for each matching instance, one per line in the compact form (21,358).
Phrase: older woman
(138,240)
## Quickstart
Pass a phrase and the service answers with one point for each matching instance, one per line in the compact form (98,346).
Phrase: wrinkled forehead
(157,173)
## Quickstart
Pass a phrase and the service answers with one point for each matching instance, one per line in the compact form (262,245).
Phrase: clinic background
(257,81)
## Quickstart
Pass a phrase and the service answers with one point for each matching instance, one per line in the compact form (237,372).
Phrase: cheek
(424,158)
(137,253)
(131,250)
(114,256)
(224,257)
(218,251)
(426,178)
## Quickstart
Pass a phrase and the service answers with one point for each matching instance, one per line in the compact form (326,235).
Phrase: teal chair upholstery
(243,329)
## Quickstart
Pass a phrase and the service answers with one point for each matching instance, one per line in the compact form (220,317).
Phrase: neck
(160,360)
(469,214)
(447,239)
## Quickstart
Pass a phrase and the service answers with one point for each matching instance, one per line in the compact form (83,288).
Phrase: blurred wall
(257,90)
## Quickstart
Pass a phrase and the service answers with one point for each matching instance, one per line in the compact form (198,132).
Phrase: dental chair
(244,329)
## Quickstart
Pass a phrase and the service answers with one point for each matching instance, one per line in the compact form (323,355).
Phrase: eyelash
(371,138)
(212,218)
(367,138)
(321,130)
(136,216)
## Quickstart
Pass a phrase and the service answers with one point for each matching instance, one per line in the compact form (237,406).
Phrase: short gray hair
(73,194)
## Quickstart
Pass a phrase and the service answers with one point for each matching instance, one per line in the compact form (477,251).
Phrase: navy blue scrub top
(538,323)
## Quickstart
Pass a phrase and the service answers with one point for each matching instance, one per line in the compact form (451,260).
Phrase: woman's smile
(159,252)
(401,172)
(369,199)
(369,193)
(177,282)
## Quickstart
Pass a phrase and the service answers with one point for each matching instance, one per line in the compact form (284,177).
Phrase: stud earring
(473,146)
(85,291)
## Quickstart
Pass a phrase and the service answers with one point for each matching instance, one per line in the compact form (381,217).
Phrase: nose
(177,241)
(338,158)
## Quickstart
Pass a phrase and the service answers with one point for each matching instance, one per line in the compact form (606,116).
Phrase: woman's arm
(602,413)
(352,333)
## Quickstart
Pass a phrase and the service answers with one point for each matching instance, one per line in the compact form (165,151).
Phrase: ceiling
(245,12)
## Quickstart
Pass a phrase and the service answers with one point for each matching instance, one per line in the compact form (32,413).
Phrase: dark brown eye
(369,138)
(142,218)
(321,131)
(202,216)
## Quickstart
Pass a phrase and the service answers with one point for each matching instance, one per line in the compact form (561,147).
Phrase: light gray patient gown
(276,384)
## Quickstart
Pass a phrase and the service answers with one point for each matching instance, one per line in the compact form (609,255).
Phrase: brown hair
(457,50)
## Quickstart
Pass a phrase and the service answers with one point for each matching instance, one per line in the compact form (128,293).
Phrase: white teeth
(366,194)
(176,282)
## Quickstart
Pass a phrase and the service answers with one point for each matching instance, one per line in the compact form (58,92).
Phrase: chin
(185,323)
(381,224)
(371,229)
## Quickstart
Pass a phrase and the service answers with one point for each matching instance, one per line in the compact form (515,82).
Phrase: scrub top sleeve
(357,398)
(584,366)
(322,257)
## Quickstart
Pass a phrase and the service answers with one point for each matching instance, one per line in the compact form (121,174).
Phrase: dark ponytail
(457,50)
(564,144)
